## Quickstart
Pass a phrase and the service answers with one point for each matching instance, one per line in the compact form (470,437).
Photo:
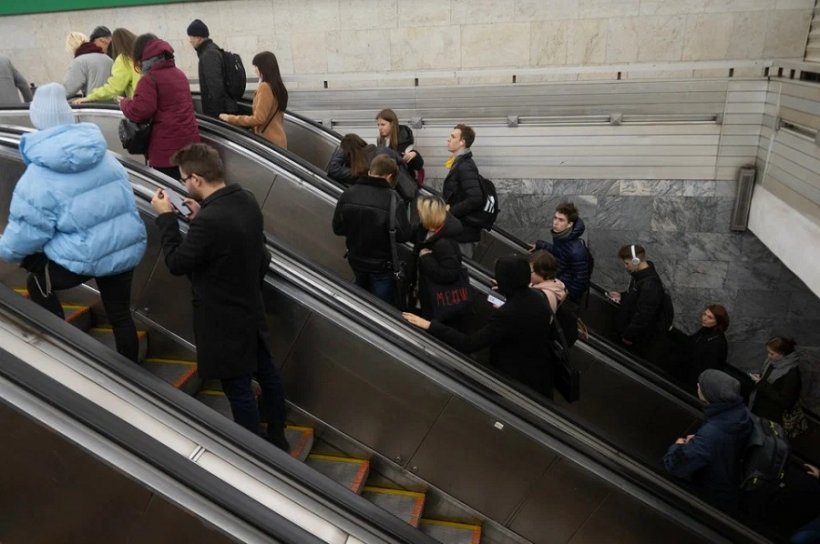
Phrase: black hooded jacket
(641,305)
(462,191)
(518,333)
(443,265)
(215,98)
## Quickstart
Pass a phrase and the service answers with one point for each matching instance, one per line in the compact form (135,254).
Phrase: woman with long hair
(124,74)
(351,160)
(269,102)
(704,349)
(399,138)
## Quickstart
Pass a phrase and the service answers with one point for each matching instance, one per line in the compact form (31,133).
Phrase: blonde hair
(74,40)
(432,212)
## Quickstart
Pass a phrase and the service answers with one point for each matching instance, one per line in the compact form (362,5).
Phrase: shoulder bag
(565,376)
(135,137)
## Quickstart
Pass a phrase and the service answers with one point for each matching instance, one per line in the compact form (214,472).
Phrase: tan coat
(264,104)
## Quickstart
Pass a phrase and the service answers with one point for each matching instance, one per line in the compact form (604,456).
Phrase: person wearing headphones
(640,306)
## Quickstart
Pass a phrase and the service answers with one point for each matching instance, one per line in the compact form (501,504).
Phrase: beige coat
(264,104)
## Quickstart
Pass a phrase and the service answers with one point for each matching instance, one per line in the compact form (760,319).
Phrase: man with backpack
(213,76)
(712,458)
(645,309)
(569,250)
(462,187)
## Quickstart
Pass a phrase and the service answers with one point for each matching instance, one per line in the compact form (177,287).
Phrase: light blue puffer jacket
(74,203)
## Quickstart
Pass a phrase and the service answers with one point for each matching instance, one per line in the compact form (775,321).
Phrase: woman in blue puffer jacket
(73,215)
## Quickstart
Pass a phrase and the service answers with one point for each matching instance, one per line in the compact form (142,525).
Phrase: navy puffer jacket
(571,254)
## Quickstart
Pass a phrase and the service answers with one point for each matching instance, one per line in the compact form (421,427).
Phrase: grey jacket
(10,82)
(86,73)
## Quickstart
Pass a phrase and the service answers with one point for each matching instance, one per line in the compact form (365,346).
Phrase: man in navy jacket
(568,249)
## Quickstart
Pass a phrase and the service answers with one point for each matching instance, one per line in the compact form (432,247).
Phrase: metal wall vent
(743,199)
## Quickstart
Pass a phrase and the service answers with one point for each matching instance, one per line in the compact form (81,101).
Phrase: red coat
(163,95)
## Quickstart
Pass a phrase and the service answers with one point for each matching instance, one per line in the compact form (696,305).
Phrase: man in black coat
(640,317)
(362,215)
(518,333)
(224,256)
(462,190)
(215,97)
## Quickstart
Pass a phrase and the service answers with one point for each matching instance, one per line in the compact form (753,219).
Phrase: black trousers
(115,292)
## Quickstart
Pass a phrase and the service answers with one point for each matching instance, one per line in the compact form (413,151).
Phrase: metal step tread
(348,471)
(177,372)
(105,335)
(406,505)
(300,439)
(451,532)
(78,315)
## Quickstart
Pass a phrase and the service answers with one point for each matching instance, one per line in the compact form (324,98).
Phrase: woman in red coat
(163,97)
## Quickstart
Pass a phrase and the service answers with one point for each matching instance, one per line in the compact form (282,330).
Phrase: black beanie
(512,274)
(717,386)
(198,28)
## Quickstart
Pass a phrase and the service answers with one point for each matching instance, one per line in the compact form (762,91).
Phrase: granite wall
(684,226)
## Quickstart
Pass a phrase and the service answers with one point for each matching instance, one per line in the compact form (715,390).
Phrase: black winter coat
(641,305)
(772,399)
(406,139)
(572,256)
(443,264)
(518,335)
(339,167)
(363,215)
(215,98)
(224,256)
(462,191)
(707,348)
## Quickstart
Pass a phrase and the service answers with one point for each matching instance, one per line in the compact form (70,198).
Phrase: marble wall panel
(623,37)
(713,246)
(707,37)
(661,38)
(542,10)
(678,213)
(549,42)
(425,48)
(803,306)
(309,52)
(357,51)
(621,212)
(671,7)
(714,6)
(363,14)
(748,36)
(754,275)
(470,12)
(587,42)
(761,303)
(499,44)
(604,9)
(314,16)
(705,274)
(786,33)
(424,13)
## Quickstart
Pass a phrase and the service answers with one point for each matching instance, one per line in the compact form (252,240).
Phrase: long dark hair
(355,152)
(122,43)
(139,46)
(269,73)
(391,117)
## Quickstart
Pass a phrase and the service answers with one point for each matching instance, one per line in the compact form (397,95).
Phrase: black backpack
(485,217)
(763,463)
(234,74)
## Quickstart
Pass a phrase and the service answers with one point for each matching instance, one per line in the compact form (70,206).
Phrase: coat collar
(225,191)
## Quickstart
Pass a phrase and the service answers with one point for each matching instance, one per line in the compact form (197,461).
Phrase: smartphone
(177,202)
(495,301)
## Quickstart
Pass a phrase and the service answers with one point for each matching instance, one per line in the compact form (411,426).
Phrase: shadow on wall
(684,226)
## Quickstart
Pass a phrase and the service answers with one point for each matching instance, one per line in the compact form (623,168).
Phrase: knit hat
(74,40)
(717,386)
(99,32)
(198,28)
(49,108)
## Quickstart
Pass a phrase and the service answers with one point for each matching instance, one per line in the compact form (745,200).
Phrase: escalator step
(406,505)
(216,400)
(450,532)
(300,440)
(348,471)
(177,372)
(106,336)
(77,314)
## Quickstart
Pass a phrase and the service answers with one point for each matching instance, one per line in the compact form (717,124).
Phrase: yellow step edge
(75,306)
(140,334)
(337,459)
(453,524)
(212,392)
(299,428)
(388,491)
(170,361)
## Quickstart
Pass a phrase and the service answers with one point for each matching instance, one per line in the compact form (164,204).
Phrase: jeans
(809,534)
(115,292)
(381,284)
(244,407)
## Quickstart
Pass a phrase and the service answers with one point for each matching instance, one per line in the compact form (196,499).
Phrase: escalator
(434,441)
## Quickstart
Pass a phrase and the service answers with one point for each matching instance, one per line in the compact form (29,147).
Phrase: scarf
(780,367)
(87,47)
(563,234)
(448,164)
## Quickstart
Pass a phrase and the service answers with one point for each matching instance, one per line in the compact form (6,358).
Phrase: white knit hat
(49,108)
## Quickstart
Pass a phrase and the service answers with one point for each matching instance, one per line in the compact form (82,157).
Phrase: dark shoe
(277,438)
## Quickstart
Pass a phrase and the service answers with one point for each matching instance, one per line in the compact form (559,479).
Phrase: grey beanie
(717,386)
(49,107)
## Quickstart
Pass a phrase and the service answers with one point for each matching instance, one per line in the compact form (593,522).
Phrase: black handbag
(446,300)
(135,137)
(397,266)
(565,376)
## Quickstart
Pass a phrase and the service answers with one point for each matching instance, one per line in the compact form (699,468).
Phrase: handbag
(446,300)
(135,137)
(398,267)
(794,421)
(566,377)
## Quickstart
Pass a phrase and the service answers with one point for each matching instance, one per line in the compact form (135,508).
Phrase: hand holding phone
(497,302)
(178,203)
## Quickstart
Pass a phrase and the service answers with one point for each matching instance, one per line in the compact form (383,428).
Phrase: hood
(512,274)
(87,47)
(646,272)
(157,47)
(451,228)
(65,148)
(405,135)
(732,415)
(716,386)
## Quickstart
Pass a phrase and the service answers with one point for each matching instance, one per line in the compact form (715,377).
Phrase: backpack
(590,260)
(234,74)
(764,457)
(666,314)
(567,319)
(485,217)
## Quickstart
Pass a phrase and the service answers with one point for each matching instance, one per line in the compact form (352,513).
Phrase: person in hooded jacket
(437,258)
(544,269)
(351,160)
(163,97)
(710,458)
(778,384)
(91,65)
(704,349)
(569,250)
(518,333)
(58,228)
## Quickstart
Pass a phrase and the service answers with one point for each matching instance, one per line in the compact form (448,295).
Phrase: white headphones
(635,260)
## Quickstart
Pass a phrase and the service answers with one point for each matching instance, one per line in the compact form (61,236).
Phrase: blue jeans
(808,534)
(244,407)
(381,284)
